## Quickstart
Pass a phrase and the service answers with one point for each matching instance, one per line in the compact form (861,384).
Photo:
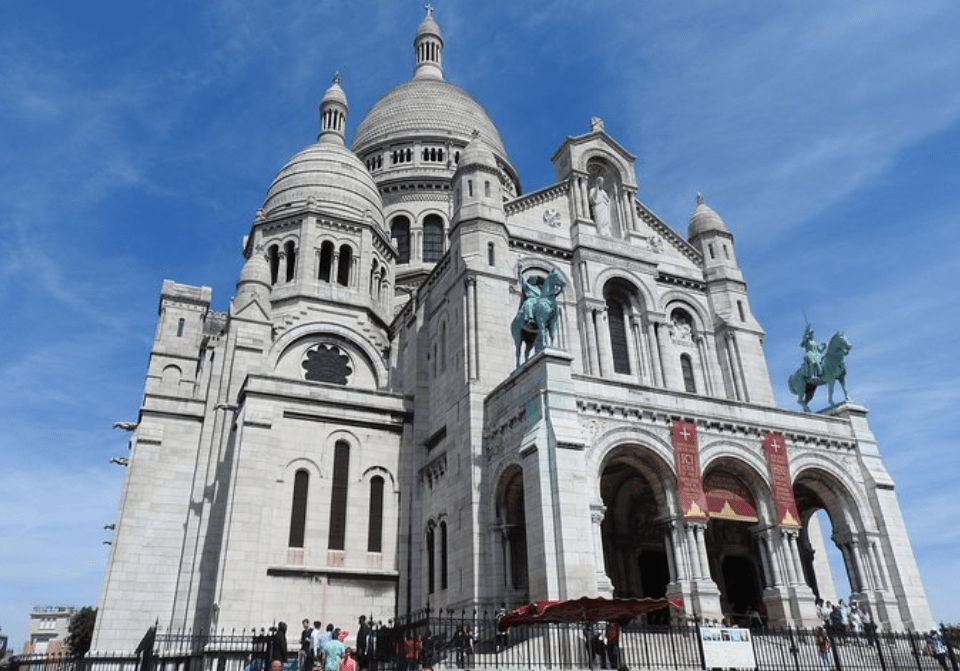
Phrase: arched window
(180,324)
(686,366)
(443,347)
(443,555)
(343,267)
(375,521)
(338,498)
(491,254)
(298,512)
(326,261)
(273,256)
(400,232)
(432,238)
(431,561)
(290,251)
(618,335)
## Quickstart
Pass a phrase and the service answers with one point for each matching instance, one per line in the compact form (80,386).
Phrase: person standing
(363,641)
(278,644)
(823,648)
(612,634)
(937,647)
(333,651)
(347,662)
(305,655)
(316,644)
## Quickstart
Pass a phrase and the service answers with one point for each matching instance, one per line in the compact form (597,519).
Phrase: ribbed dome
(333,177)
(704,219)
(425,108)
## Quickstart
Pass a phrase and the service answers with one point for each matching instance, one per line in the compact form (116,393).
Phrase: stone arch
(732,486)
(510,516)
(287,351)
(638,490)
(822,487)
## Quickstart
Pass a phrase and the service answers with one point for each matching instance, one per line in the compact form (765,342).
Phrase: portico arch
(634,486)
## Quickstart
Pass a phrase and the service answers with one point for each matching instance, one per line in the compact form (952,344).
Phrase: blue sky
(137,141)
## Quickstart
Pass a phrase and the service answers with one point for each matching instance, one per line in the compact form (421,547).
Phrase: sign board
(727,648)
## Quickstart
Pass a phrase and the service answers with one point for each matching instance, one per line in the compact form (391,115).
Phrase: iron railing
(459,641)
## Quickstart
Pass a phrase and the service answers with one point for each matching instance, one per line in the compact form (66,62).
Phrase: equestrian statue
(822,364)
(536,322)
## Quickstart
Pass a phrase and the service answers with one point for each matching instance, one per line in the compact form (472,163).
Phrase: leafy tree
(80,631)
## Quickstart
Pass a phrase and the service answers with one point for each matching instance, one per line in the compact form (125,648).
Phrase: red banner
(693,502)
(728,498)
(776,450)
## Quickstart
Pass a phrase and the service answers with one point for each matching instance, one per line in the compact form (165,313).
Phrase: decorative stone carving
(551,217)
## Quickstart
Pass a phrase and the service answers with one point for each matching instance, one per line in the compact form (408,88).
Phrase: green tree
(80,631)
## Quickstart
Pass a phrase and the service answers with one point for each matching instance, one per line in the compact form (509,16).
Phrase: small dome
(704,219)
(334,93)
(428,27)
(256,270)
(331,176)
(477,152)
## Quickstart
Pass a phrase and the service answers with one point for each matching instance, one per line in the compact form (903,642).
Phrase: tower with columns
(353,433)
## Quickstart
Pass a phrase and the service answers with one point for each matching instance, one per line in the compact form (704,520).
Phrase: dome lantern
(333,113)
(428,48)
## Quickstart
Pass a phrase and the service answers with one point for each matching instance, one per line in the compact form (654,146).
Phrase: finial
(699,198)
(596,123)
(475,133)
(429,9)
(336,78)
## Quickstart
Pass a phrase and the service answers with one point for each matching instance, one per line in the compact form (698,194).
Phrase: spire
(333,113)
(428,47)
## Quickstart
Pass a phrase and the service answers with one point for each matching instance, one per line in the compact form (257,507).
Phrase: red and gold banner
(776,450)
(693,502)
(728,498)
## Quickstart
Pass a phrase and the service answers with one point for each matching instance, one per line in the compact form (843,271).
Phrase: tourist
(347,662)
(937,647)
(823,648)
(612,634)
(333,651)
(305,654)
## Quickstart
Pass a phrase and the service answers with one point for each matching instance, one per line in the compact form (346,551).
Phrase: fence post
(876,643)
(703,656)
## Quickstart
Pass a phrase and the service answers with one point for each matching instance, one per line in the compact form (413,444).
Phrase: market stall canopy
(585,609)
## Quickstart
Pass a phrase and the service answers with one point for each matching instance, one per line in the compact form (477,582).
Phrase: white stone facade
(354,436)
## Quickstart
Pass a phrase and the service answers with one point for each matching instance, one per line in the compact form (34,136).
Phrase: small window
(326,261)
(743,317)
(338,498)
(443,555)
(290,253)
(486,188)
(491,254)
(431,560)
(375,520)
(273,254)
(432,238)
(298,513)
(343,266)
(710,249)
(686,365)
(180,324)
(400,232)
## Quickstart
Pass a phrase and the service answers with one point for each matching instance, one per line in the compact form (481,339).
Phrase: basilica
(431,388)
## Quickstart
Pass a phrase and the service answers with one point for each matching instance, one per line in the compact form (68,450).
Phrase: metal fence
(461,642)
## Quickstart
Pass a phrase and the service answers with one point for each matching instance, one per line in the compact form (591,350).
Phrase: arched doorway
(732,547)
(511,520)
(633,533)
(835,563)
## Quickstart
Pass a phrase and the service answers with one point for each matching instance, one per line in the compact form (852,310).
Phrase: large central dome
(425,108)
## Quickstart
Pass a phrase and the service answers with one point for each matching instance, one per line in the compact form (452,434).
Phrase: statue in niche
(600,204)
(535,324)
(822,364)
(681,329)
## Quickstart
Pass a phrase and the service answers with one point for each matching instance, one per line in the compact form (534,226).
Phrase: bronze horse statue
(536,322)
(829,369)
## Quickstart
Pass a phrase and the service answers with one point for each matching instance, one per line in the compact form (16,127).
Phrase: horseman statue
(823,363)
(536,322)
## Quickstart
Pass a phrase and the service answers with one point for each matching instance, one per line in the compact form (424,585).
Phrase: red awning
(585,609)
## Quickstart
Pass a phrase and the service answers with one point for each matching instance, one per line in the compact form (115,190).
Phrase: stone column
(654,349)
(603,341)
(597,513)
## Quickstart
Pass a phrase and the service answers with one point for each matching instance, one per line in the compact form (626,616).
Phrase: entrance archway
(634,545)
(732,548)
